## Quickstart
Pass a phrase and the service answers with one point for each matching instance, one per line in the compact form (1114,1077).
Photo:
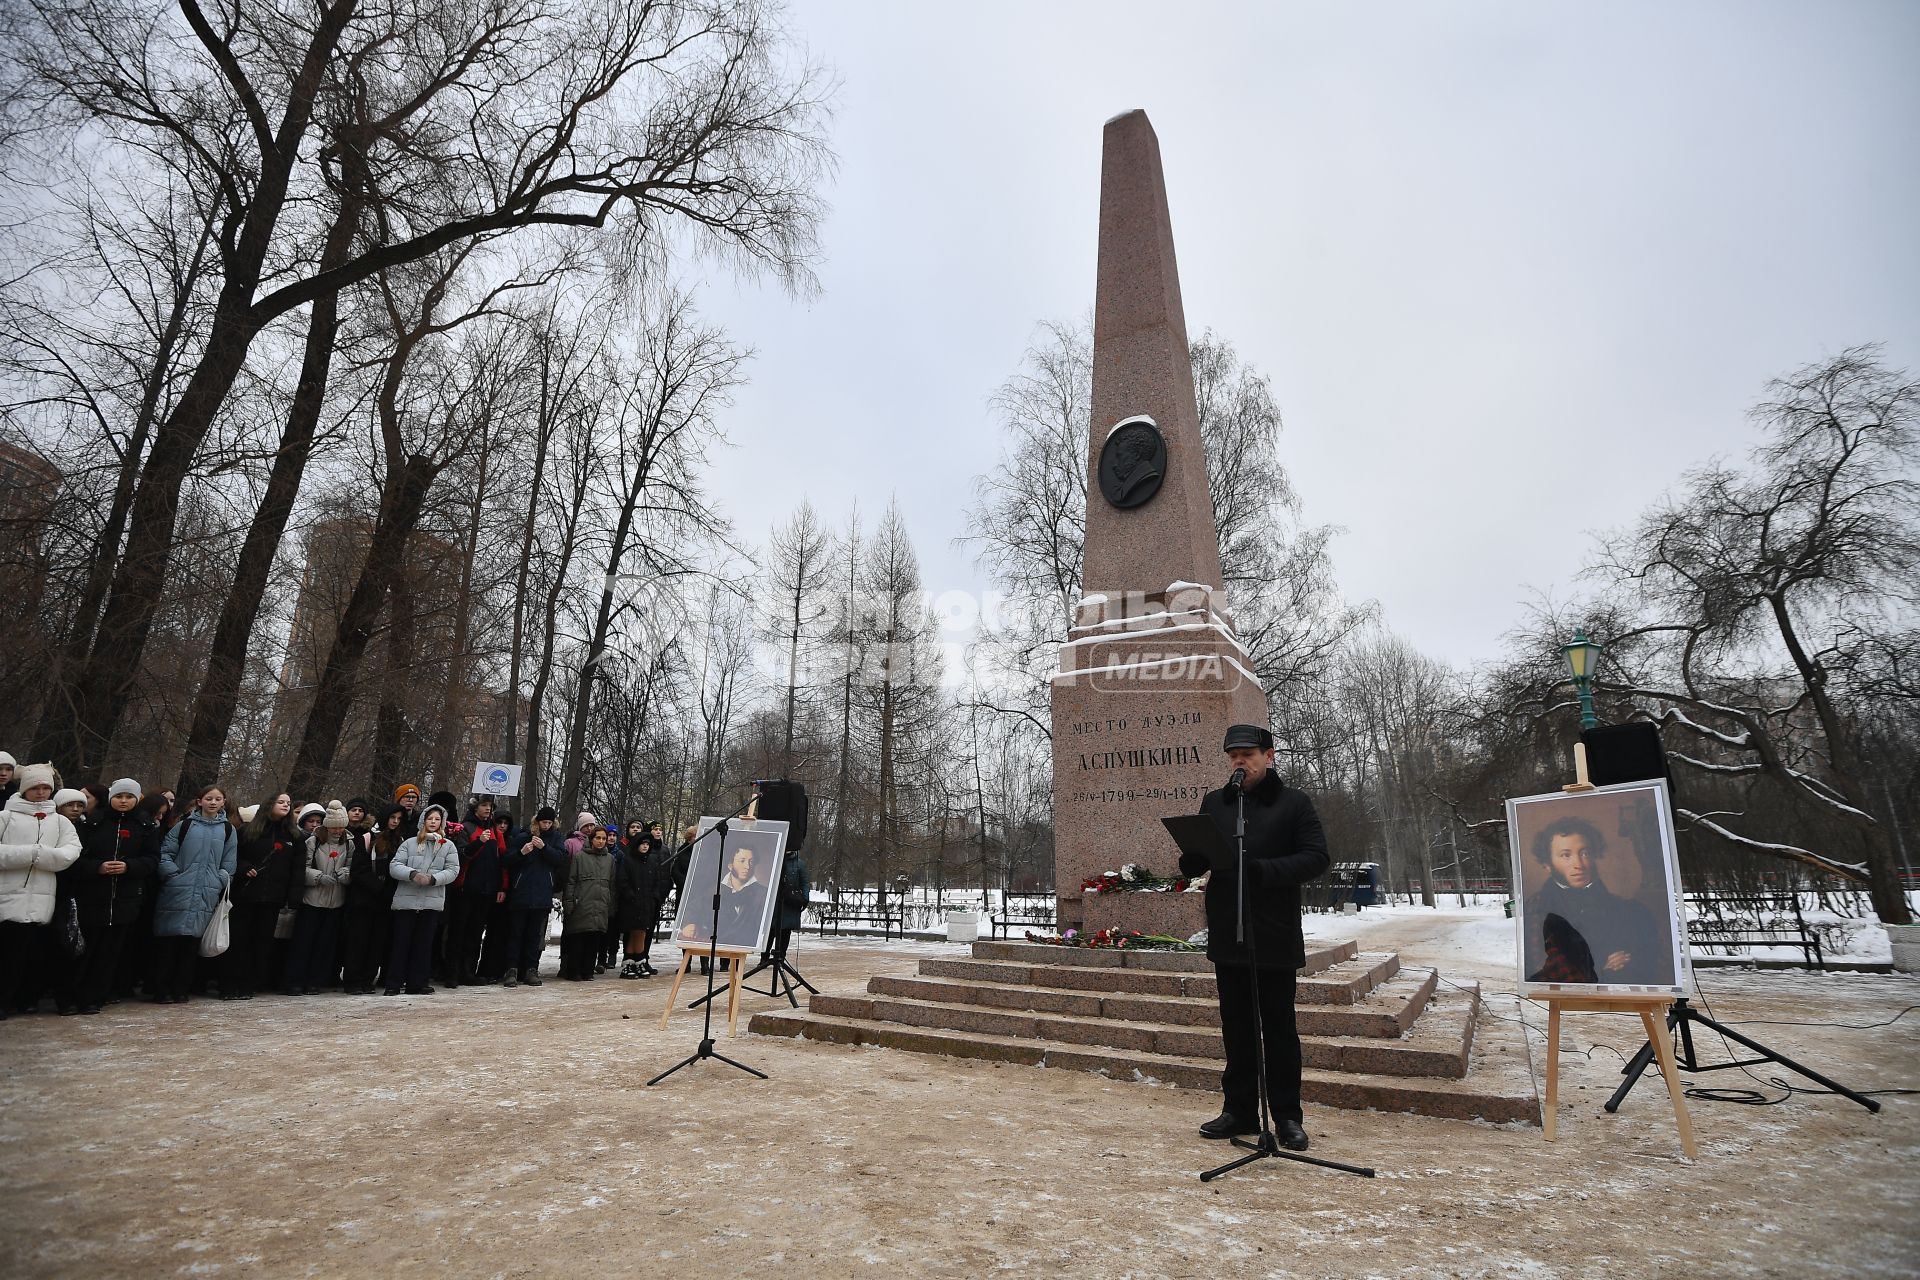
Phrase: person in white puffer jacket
(424,865)
(36,845)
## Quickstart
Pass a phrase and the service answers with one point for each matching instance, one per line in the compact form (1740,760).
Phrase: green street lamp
(1583,659)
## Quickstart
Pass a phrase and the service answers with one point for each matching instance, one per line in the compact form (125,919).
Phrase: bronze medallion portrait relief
(1133,462)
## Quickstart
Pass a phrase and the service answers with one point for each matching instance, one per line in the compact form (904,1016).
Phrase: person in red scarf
(480,887)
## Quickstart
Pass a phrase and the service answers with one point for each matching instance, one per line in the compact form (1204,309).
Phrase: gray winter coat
(587,902)
(329,867)
(438,858)
(197,862)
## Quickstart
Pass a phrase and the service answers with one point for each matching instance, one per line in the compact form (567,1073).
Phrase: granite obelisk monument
(1151,672)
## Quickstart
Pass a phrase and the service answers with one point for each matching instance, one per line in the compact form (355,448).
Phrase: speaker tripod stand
(1680,1020)
(786,980)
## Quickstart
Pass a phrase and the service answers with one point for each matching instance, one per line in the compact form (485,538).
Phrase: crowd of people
(108,890)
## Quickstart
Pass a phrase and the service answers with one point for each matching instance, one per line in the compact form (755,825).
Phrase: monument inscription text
(1163,766)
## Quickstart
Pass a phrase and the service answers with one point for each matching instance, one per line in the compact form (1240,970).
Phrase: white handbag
(213,940)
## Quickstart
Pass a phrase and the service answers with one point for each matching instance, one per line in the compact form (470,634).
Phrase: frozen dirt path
(490,1132)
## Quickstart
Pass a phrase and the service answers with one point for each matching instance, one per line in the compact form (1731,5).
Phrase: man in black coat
(1285,848)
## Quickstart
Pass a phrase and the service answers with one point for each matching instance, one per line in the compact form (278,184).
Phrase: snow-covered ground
(1477,938)
(1480,938)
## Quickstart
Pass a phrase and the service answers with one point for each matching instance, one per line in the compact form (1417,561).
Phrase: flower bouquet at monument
(1134,878)
(1114,940)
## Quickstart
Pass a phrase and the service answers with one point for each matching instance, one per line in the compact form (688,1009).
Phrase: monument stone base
(1179,914)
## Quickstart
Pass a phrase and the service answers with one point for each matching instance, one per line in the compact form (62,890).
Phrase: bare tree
(573,481)
(566,348)
(849,638)
(726,670)
(1768,608)
(902,679)
(1028,520)
(449,374)
(369,120)
(661,115)
(89,383)
(1398,706)
(800,571)
(1287,609)
(680,380)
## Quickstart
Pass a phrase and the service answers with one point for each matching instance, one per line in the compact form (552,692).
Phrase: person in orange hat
(407,796)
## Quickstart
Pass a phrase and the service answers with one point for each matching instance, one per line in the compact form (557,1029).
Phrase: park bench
(1735,922)
(1023,911)
(858,908)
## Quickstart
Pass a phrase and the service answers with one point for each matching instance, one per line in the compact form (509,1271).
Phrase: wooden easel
(1651,1008)
(738,956)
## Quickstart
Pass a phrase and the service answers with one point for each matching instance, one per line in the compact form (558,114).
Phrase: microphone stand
(1268,1146)
(713,940)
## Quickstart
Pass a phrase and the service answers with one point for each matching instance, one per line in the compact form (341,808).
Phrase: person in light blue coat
(197,862)
(425,865)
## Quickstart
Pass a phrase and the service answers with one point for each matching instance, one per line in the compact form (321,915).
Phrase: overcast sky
(1510,267)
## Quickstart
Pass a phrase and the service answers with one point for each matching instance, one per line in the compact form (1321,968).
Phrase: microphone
(1238,780)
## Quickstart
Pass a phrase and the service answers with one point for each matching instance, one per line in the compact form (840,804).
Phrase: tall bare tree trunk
(888,828)
(524,570)
(841,799)
(979,801)
(55,738)
(333,693)
(536,761)
(140,580)
(220,689)
(590,672)
(390,722)
(454,707)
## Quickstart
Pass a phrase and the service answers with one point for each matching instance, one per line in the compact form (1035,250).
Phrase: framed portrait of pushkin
(747,870)
(1596,889)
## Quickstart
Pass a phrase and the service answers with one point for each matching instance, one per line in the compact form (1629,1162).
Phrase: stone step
(1341,983)
(1318,957)
(1348,981)
(1498,1086)
(1437,1045)
(1388,1010)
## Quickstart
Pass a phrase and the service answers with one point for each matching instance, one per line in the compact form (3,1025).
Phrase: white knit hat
(336,815)
(6,758)
(247,811)
(35,775)
(68,795)
(124,787)
(308,810)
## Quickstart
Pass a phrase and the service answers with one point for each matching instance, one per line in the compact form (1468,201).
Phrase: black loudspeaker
(1624,753)
(783,801)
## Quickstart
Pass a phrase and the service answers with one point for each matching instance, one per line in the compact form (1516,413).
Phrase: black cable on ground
(1753,1097)
(1768,1022)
